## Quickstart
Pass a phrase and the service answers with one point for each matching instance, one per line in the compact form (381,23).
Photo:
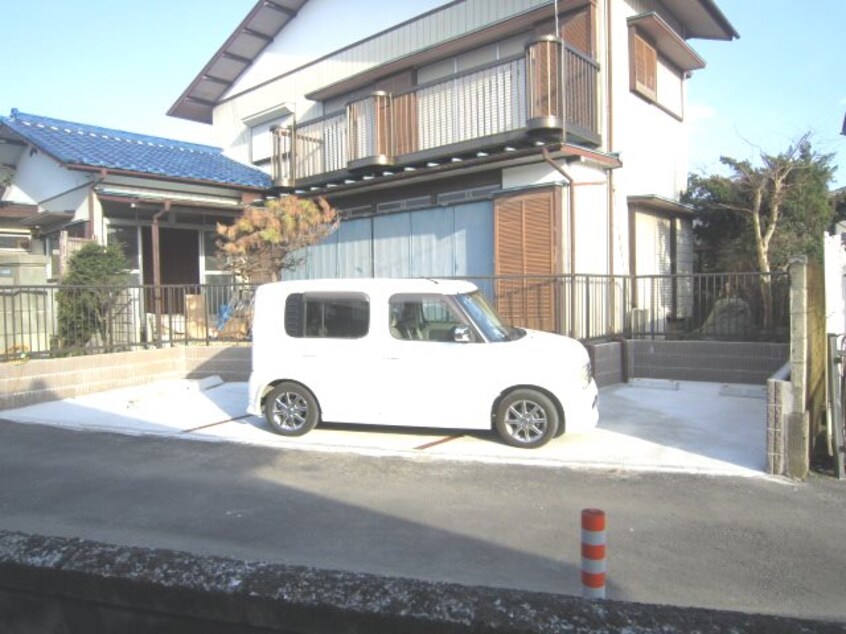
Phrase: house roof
(81,146)
(16,211)
(702,19)
(250,38)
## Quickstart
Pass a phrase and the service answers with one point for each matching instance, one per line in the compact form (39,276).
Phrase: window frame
(296,314)
(451,304)
(19,241)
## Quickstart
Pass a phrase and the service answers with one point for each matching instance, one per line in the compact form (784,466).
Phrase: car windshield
(486,319)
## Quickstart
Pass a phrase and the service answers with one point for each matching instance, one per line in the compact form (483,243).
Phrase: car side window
(423,318)
(326,315)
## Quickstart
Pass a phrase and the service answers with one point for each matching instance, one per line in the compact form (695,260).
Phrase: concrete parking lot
(646,425)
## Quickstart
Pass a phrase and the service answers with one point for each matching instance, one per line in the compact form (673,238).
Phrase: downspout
(571,205)
(157,272)
(609,118)
(609,101)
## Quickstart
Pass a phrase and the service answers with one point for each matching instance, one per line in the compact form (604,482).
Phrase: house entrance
(179,253)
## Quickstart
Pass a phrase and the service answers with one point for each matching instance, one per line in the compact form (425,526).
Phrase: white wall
(652,143)
(323,26)
(591,228)
(40,180)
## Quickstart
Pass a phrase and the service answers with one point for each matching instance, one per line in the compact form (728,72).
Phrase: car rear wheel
(291,409)
(526,418)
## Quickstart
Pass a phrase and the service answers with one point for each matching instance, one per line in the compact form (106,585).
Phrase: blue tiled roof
(93,146)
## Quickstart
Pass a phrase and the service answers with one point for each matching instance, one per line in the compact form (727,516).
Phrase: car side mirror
(462,334)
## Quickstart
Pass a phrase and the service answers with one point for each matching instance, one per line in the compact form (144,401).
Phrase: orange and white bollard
(593,554)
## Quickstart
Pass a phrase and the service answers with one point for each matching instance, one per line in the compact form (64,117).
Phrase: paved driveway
(644,425)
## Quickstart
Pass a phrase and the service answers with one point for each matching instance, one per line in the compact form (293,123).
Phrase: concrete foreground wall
(40,380)
(52,585)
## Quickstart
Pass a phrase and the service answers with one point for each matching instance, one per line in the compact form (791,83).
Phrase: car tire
(526,418)
(291,409)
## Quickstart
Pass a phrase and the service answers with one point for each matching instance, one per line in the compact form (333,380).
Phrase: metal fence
(55,321)
(719,306)
(48,321)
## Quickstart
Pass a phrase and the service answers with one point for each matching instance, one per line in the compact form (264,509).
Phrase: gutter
(609,100)
(122,172)
(159,197)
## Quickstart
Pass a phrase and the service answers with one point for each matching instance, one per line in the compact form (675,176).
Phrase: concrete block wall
(607,360)
(38,380)
(711,361)
(779,406)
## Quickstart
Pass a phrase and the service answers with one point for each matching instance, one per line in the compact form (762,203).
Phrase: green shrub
(96,279)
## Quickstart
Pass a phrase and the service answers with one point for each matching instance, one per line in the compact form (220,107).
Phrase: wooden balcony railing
(528,93)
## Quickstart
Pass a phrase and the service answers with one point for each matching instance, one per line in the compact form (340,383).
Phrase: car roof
(378,286)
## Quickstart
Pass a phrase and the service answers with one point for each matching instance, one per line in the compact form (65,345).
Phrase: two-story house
(480,138)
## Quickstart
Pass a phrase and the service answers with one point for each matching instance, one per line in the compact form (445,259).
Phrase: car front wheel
(291,409)
(526,418)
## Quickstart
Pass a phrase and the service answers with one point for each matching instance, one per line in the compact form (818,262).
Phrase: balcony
(547,94)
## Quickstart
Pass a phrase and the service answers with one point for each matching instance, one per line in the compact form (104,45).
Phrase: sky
(123,65)
(785,76)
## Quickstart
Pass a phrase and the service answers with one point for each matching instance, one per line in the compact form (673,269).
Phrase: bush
(96,279)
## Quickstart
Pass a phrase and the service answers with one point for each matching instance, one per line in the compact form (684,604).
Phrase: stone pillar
(798,445)
(797,432)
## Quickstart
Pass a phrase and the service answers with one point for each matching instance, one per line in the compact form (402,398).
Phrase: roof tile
(94,146)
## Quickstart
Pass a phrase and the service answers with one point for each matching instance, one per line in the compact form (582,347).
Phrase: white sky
(122,65)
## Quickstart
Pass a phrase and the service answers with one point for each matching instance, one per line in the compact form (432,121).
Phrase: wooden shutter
(577,30)
(404,114)
(644,67)
(526,255)
(543,60)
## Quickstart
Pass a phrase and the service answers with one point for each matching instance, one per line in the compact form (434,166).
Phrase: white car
(411,352)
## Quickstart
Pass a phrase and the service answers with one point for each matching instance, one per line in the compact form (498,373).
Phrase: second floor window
(644,67)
